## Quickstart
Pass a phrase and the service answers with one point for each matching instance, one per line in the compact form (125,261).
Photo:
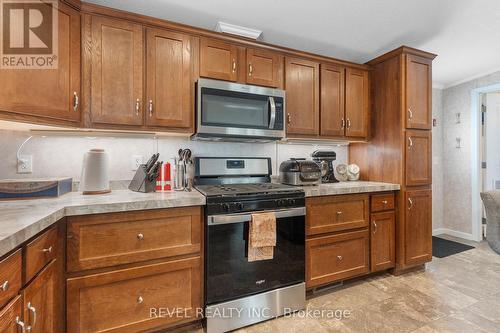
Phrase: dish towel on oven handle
(261,236)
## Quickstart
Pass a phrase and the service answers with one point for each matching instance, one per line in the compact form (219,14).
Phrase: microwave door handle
(272,119)
(246,217)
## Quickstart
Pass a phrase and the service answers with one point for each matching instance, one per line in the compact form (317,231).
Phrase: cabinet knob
(384,202)
(140,300)
(33,311)
(47,250)
(339,213)
(21,324)
(339,258)
(140,236)
(5,286)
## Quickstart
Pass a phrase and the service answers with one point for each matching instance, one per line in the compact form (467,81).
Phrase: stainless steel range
(238,292)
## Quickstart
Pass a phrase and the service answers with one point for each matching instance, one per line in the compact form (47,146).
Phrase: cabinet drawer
(10,277)
(336,213)
(8,316)
(103,240)
(336,257)
(382,202)
(126,300)
(40,252)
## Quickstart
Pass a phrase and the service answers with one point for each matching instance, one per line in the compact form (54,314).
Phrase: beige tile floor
(459,293)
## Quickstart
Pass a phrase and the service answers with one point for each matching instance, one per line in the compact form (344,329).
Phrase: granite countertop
(22,219)
(348,188)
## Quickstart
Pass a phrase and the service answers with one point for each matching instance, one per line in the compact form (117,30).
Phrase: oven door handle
(246,217)
(272,118)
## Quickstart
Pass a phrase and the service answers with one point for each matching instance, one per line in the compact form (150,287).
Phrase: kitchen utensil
(178,175)
(353,172)
(95,172)
(299,171)
(152,161)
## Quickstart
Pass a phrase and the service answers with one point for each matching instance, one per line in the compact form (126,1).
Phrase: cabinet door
(302,96)
(129,300)
(356,103)
(117,71)
(169,89)
(382,245)
(48,93)
(218,60)
(418,92)
(337,257)
(40,302)
(418,157)
(264,68)
(11,317)
(418,227)
(332,100)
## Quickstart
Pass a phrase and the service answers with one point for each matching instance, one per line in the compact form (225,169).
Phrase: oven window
(234,109)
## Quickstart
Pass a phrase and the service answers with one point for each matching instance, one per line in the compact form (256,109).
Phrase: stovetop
(244,189)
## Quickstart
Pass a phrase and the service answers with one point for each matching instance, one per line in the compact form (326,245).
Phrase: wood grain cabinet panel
(40,306)
(383,241)
(264,68)
(10,277)
(40,252)
(357,103)
(104,240)
(337,257)
(332,100)
(302,96)
(117,49)
(418,227)
(382,202)
(8,316)
(218,59)
(169,77)
(418,92)
(418,157)
(336,213)
(123,300)
(48,93)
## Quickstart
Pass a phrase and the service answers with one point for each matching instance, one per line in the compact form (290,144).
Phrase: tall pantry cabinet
(400,148)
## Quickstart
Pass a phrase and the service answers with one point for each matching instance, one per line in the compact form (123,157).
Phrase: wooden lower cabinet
(11,317)
(40,308)
(418,227)
(336,257)
(382,241)
(127,300)
(10,277)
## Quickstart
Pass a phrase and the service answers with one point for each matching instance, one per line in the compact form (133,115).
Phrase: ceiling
(464,33)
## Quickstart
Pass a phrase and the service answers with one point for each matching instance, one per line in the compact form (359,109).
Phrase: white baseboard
(454,233)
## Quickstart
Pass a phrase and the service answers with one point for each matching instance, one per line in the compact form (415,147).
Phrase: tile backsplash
(62,156)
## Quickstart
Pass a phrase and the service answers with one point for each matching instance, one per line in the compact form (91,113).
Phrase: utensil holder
(141,183)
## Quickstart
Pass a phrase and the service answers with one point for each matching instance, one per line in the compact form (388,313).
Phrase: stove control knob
(225,207)
(239,206)
(291,202)
(280,202)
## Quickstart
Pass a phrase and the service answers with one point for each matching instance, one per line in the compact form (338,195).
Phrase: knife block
(141,183)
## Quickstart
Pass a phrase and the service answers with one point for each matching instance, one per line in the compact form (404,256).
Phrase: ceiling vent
(238,30)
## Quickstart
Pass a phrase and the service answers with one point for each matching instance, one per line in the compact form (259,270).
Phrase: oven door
(238,110)
(230,276)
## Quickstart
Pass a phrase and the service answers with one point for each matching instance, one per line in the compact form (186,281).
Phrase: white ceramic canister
(95,172)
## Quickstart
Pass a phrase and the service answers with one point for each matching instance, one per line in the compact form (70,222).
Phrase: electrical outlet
(25,164)
(136,162)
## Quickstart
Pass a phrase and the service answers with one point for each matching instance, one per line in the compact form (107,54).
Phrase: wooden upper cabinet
(332,100)
(302,96)
(117,72)
(169,87)
(357,105)
(418,227)
(48,93)
(418,157)
(383,241)
(418,92)
(218,60)
(264,68)
(40,302)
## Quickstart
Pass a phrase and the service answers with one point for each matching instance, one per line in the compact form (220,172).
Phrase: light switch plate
(25,164)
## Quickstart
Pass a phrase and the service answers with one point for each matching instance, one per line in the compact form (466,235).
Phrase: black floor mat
(442,247)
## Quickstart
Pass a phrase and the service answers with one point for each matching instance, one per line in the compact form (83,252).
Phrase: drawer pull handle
(75,101)
(140,300)
(410,203)
(339,258)
(234,66)
(5,286)
(375,227)
(137,107)
(150,108)
(339,213)
(47,250)
(33,310)
(384,202)
(140,236)
(21,324)
(410,114)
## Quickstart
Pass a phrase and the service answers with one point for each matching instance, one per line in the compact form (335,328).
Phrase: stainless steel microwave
(239,112)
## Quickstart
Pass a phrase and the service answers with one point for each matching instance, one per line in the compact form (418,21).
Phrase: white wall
(437,159)
(61,156)
(492,140)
